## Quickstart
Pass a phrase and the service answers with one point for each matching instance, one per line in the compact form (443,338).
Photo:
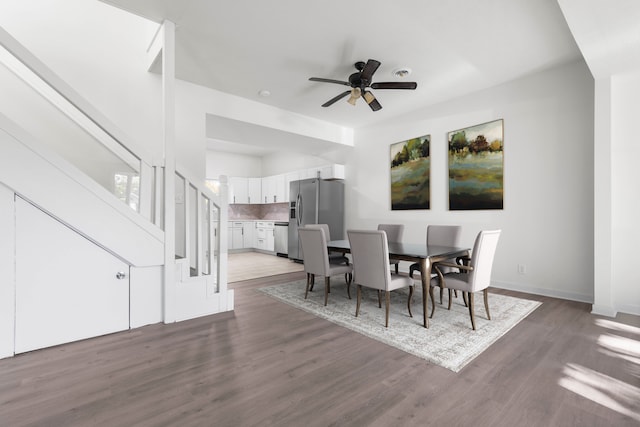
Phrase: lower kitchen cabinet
(264,239)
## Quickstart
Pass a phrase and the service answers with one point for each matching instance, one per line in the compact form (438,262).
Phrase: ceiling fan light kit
(361,80)
(368,97)
(355,94)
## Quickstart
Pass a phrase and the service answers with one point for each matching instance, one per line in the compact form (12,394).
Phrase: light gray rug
(449,342)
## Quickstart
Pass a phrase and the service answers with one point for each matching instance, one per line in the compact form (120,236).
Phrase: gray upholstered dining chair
(334,257)
(440,235)
(371,268)
(316,261)
(394,234)
(474,276)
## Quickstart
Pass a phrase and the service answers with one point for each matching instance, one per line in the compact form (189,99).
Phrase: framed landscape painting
(476,165)
(410,174)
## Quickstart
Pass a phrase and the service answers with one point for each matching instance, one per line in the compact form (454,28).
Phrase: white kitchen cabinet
(270,239)
(273,189)
(280,189)
(236,236)
(255,190)
(333,171)
(248,233)
(245,190)
(238,190)
(309,173)
(268,189)
(265,236)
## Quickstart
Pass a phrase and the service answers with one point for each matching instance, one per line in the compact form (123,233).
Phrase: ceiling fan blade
(394,85)
(371,100)
(368,70)
(320,79)
(336,98)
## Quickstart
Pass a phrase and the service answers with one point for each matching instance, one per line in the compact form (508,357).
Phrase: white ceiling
(452,47)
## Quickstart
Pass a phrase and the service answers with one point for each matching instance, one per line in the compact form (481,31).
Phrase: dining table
(424,255)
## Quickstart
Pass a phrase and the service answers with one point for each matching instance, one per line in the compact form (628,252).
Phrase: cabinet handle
(249,199)
(265,199)
(120,275)
(274,199)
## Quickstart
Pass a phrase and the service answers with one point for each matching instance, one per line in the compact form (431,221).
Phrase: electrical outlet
(522,269)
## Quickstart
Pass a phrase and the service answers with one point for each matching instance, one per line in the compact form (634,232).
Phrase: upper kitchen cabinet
(273,189)
(238,190)
(333,171)
(245,190)
(255,190)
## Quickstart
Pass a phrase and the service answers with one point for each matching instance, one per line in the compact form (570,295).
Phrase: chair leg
(409,301)
(327,281)
(464,298)
(313,282)
(306,291)
(471,313)
(397,264)
(379,300)
(358,298)
(387,304)
(348,277)
(486,302)
(433,302)
(449,308)
(441,292)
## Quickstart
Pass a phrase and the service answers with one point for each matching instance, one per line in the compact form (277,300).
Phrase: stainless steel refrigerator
(315,201)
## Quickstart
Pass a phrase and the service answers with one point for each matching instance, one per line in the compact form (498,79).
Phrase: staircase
(65,167)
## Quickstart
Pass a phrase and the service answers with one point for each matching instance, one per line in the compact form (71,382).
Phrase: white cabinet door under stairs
(67,288)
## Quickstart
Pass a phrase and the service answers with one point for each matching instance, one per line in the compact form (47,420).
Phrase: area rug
(448,342)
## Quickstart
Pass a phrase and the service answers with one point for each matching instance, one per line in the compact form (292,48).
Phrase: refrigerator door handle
(299,209)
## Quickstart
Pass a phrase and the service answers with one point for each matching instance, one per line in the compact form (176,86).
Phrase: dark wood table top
(411,251)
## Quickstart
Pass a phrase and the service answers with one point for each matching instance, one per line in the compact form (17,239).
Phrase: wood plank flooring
(253,265)
(269,364)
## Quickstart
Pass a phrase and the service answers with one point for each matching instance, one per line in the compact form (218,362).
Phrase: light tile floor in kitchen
(251,265)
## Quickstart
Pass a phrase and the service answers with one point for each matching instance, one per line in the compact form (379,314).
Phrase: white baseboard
(603,310)
(572,296)
(629,309)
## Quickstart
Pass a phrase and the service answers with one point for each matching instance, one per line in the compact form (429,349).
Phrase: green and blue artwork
(410,174)
(476,166)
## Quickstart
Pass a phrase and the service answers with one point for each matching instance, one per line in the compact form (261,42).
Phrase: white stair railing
(82,134)
(200,219)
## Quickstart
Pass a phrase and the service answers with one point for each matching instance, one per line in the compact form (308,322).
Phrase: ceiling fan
(360,81)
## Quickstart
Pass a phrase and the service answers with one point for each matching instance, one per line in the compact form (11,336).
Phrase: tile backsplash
(271,211)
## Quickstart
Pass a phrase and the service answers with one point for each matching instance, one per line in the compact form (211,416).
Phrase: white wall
(284,162)
(231,164)
(625,197)
(547,221)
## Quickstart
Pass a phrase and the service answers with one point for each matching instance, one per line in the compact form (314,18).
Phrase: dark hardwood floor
(270,364)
